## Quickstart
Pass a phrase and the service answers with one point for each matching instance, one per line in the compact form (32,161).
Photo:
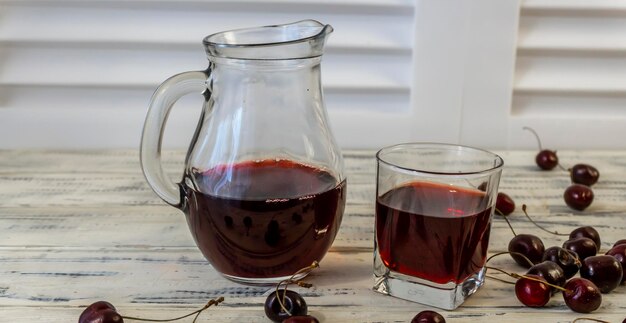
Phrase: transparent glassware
(434,204)
(263,188)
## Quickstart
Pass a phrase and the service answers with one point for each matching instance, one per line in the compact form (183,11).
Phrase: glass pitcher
(263,188)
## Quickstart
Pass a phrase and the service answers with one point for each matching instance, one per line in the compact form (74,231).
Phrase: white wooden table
(81,226)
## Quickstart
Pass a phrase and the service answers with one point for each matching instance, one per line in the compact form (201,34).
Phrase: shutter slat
(551,104)
(575,33)
(80,117)
(590,74)
(589,6)
(172,28)
(93,67)
(355,6)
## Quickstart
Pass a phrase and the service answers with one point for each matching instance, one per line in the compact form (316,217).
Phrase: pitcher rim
(325,28)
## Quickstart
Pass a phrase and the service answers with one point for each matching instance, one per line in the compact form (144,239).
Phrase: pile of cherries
(550,269)
(578,195)
(555,265)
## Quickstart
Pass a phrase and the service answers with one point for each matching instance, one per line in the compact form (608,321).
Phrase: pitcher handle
(150,153)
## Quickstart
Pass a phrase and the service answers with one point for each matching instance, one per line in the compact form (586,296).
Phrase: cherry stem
(510,253)
(536,136)
(286,282)
(518,276)
(576,259)
(507,221)
(589,319)
(540,227)
(197,312)
(564,169)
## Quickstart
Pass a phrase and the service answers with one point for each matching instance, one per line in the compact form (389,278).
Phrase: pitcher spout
(298,40)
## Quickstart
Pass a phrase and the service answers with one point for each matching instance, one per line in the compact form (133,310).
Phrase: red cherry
(549,271)
(428,317)
(578,197)
(587,232)
(604,271)
(528,245)
(547,159)
(96,307)
(619,252)
(292,302)
(505,204)
(584,174)
(532,293)
(583,247)
(100,312)
(582,295)
(104,316)
(567,260)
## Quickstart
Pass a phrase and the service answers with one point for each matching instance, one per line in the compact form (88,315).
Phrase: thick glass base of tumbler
(445,296)
(263,281)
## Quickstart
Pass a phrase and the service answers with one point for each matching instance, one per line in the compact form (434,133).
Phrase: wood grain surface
(81,226)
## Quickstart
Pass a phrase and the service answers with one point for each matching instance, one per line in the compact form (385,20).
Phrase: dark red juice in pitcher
(433,231)
(264,219)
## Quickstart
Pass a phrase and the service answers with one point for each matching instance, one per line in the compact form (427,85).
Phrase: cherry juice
(436,232)
(264,219)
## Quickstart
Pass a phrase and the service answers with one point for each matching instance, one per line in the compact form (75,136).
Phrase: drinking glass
(434,204)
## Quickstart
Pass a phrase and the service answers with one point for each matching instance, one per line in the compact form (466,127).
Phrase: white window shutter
(570,76)
(77,74)
(80,73)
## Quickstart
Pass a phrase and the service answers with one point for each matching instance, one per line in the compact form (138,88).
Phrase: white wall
(79,74)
